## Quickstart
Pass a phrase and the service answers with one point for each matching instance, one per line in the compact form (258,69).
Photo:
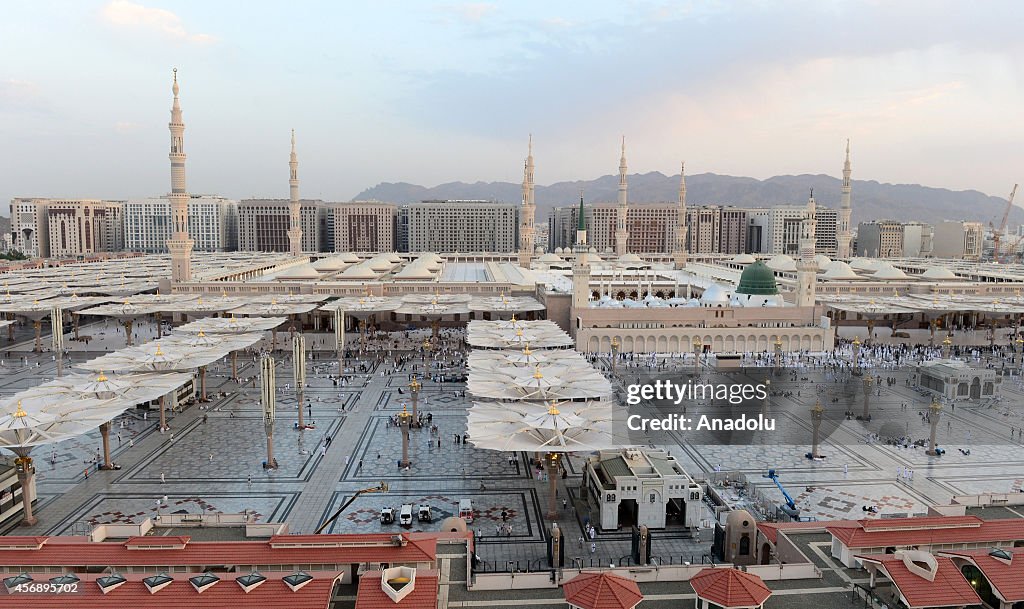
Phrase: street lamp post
(856,355)
(615,352)
(25,471)
(934,413)
(57,334)
(947,347)
(414,389)
(866,413)
(698,346)
(1017,352)
(778,356)
(816,413)
(404,418)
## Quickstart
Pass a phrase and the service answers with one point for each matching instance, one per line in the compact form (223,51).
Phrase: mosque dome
(822,260)
(742,259)
(758,279)
(714,295)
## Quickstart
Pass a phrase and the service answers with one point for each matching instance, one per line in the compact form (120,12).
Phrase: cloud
(125,127)
(129,15)
(20,95)
(472,12)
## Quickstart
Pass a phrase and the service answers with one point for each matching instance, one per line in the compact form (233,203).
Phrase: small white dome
(301,271)
(550,258)
(837,269)
(938,272)
(822,260)
(864,264)
(714,294)
(782,262)
(889,272)
(743,259)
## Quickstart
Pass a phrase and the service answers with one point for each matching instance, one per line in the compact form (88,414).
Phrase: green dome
(757,279)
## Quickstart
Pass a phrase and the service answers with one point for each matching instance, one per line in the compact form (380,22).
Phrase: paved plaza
(210,460)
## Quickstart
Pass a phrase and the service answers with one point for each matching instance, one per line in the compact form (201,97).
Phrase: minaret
(528,213)
(580,246)
(807,267)
(843,232)
(294,209)
(180,245)
(580,267)
(680,249)
(621,236)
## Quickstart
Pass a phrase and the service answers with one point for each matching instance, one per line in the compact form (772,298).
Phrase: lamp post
(698,346)
(57,334)
(615,351)
(551,461)
(778,356)
(404,418)
(947,347)
(856,356)
(1017,352)
(934,413)
(268,398)
(866,413)
(816,413)
(414,389)
(339,338)
(25,471)
(299,373)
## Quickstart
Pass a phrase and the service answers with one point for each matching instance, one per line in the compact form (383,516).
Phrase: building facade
(880,239)
(263,225)
(463,226)
(959,240)
(30,232)
(42,228)
(212,224)
(363,226)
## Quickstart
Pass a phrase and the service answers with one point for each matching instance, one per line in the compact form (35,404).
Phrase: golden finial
(856,340)
(817,409)
(526,350)
(553,409)
(201,334)
(20,413)
(536,373)
(519,333)
(159,351)
(102,378)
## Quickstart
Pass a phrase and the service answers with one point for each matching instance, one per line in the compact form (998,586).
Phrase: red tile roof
(771,529)
(948,589)
(1007,579)
(730,588)
(271,594)
(17,541)
(280,550)
(423,595)
(927,530)
(602,591)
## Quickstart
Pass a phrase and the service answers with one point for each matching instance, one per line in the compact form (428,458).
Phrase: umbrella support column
(37,324)
(26,471)
(105,435)
(74,317)
(128,332)
(163,414)
(159,326)
(234,366)
(273,340)
(271,462)
(10,331)
(551,460)
(202,384)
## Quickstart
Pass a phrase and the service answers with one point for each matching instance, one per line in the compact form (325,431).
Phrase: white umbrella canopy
(274,308)
(222,341)
(363,304)
(231,325)
(24,424)
(129,389)
(547,382)
(154,357)
(526,357)
(542,334)
(542,427)
(506,304)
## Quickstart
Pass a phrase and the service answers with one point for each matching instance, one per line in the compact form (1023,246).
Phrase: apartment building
(363,226)
(212,224)
(263,225)
(462,226)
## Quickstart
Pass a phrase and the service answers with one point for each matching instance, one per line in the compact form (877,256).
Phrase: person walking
(163,478)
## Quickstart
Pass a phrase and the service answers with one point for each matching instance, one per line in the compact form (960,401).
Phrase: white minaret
(528,213)
(807,267)
(180,245)
(621,236)
(680,249)
(843,233)
(294,209)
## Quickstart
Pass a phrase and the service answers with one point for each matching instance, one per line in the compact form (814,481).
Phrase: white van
(405,516)
(466,510)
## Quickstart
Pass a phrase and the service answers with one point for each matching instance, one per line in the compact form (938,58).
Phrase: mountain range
(871,200)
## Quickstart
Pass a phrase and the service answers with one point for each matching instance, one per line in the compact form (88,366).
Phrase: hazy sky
(428,92)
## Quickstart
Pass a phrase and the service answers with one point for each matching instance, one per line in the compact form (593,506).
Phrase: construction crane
(380,488)
(790,507)
(997,234)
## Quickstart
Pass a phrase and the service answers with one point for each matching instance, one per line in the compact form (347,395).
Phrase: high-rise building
(827,222)
(212,223)
(263,225)
(463,226)
(30,232)
(79,227)
(364,226)
(881,239)
(917,239)
(759,221)
(961,240)
(784,229)
(651,227)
